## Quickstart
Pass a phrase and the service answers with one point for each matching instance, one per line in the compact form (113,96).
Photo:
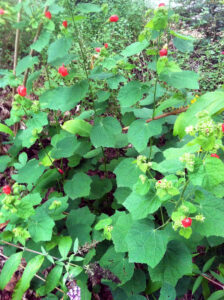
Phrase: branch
(174,112)
(17,41)
(32,50)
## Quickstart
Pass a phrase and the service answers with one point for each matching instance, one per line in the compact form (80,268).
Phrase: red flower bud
(2,11)
(159,181)
(163,52)
(186,222)
(215,155)
(65,24)
(106,45)
(223,127)
(6,189)
(48,14)
(98,49)
(60,171)
(63,71)
(162,4)
(21,90)
(222,52)
(114,18)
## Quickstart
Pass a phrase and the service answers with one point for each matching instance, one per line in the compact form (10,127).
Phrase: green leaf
(140,132)
(40,227)
(105,131)
(197,283)
(176,263)
(9,269)
(24,283)
(115,81)
(208,264)
(53,278)
(86,8)
(123,171)
(217,295)
(33,77)
(4,161)
(130,93)
(58,49)
(31,172)
(120,231)
(141,206)
(137,284)
(78,126)
(181,80)
(64,245)
(76,246)
(78,186)
(135,48)
(212,209)
(181,36)
(79,223)
(167,292)
(145,244)
(117,264)
(42,41)
(25,63)
(211,102)
(64,98)
(6,129)
(64,148)
(75,271)
(213,171)
(183,45)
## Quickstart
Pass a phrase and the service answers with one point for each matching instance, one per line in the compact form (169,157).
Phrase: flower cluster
(164,184)
(12,198)
(189,160)
(74,293)
(142,163)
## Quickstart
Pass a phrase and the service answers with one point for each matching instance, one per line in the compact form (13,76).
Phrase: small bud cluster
(20,232)
(164,184)
(107,232)
(13,197)
(189,160)
(55,204)
(142,163)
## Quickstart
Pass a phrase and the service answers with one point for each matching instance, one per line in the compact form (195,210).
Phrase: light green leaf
(40,226)
(217,295)
(4,160)
(58,49)
(140,132)
(78,186)
(141,206)
(31,172)
(24,283)
(105,131)
(130,93)
(25,63)
(6,129)
(86,8)
(135,48)
(123,171)
(64,148)
(145,244)
(64,245)
(176,263)
(181,80)
(64,98)
(78,126)
(9,269)
(42,41)
(211,102)
(120,231)
(183,45)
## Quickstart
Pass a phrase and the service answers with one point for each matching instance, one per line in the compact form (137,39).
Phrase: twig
(174,112)
(213,281)
(32,50)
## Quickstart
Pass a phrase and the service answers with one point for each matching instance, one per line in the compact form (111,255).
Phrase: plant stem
(161,211)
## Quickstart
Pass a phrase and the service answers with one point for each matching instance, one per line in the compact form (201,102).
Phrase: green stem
(161,211)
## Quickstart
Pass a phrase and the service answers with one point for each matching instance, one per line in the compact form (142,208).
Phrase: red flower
(222,52)
(2,11)
(6,189)
(98,49)
(163,52)
(223,127)
(65,24)
(106,45)
(186,222)
(21,90)
(114,18)
(48,14)
(63,71)
(162,4)
(60,171)
(214,155)
(159,181)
